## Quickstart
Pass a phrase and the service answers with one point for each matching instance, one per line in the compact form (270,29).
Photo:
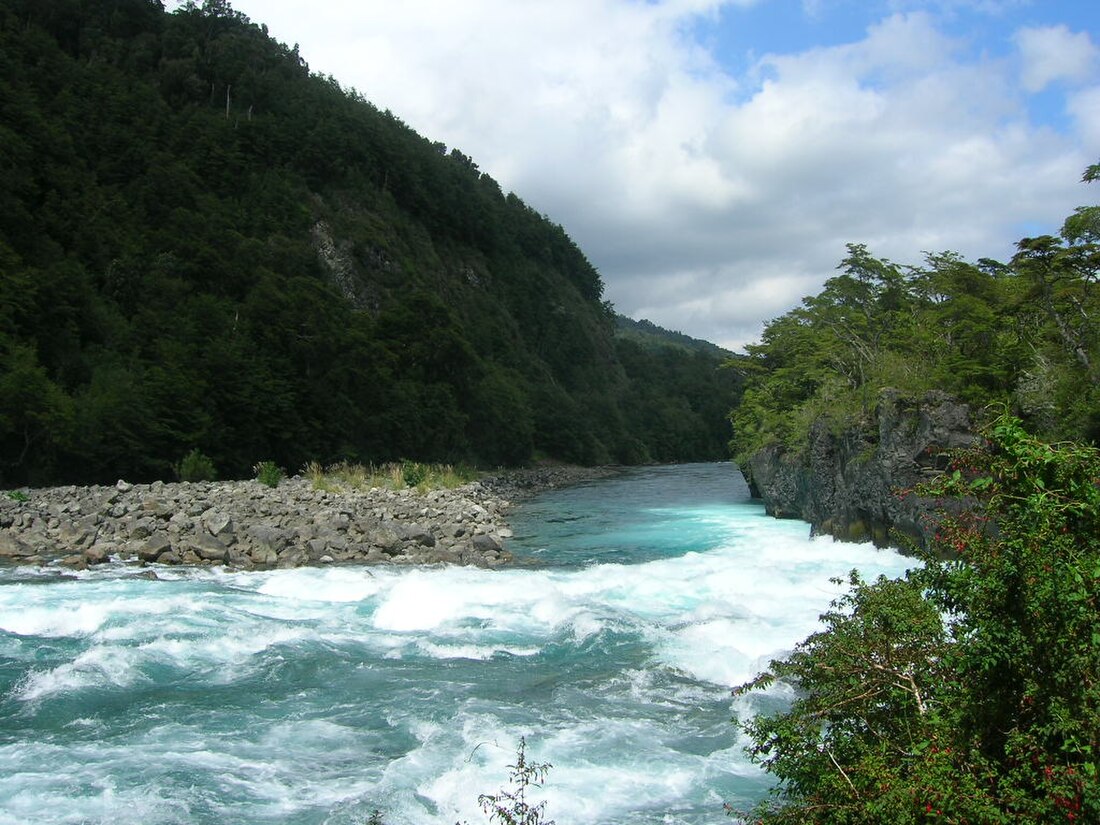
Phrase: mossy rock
(857,530)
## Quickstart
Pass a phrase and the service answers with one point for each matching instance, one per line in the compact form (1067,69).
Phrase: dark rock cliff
(847,485)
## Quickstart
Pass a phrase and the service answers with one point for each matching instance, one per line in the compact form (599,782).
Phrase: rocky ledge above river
(857,485)
(246,525)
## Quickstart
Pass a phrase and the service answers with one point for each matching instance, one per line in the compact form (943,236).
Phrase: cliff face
(846,485)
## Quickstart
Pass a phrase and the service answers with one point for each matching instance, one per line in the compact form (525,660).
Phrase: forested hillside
(648,334)
(205,246)
(1024,333)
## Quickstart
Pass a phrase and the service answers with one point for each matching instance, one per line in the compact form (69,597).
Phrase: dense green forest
(205,246)
(1024,333)
(649,334)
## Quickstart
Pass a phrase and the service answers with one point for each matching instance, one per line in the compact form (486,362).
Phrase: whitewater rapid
(318,695)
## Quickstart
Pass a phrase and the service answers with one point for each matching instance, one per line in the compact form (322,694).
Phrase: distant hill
(205,246)
(648,333)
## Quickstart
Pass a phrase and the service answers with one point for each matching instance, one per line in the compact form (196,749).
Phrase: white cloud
(991,7)
(1084,107)
(709,202)
(1054,53)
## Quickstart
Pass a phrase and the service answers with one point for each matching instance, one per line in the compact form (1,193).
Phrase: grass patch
(268,473)
(401,475)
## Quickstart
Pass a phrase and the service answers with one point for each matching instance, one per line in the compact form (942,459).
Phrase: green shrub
(413,473)
(196,466)
(268,473)
(18,495)
(969,690)
(510,806)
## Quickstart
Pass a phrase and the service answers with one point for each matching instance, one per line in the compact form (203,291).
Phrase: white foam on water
(284,774)
(34,804)
(53,622)
(449,769)
(627,744)
(584,625)
(223,658)
(337,585)
(602,771)
(97,667)
(88,724)
(472,652)
(714,615)
(423,601)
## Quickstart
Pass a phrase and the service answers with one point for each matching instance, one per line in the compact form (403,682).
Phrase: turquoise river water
(314,696)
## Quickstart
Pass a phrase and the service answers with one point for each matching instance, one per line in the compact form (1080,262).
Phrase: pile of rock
(246,525)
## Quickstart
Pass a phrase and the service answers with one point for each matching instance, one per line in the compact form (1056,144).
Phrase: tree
(35,416)
(856,745)
(1063,282)
(968,691)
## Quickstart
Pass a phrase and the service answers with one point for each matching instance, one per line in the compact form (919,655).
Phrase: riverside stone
(384,538)
(264,536)
(78,533)
(247,525)
(98,553)
(208,547)
(141,528)
(218,523)
(12,547)
(417,533)
(484,543)
(155,545)
(264,556)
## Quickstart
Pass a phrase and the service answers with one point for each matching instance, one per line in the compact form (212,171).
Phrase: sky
(712,158)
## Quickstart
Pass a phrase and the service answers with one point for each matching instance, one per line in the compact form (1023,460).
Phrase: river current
(317,695)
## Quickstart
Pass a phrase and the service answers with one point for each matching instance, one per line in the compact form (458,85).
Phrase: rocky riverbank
(246,525)
(847,485)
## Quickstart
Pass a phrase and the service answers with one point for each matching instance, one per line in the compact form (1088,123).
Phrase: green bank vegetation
(206,246)
(968,691)
(398,475)
(1026,333)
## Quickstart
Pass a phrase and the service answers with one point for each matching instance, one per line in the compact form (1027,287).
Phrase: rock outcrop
(849,485)
(246,525)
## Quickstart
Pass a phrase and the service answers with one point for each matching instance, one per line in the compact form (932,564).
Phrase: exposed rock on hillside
(847,485)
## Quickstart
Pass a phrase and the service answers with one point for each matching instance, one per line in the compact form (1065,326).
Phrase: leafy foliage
(1024,333)
(196,466)
(968,691)
(268,473)
(510,806)
(201,242)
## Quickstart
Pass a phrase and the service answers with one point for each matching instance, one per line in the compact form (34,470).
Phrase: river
(317,695)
